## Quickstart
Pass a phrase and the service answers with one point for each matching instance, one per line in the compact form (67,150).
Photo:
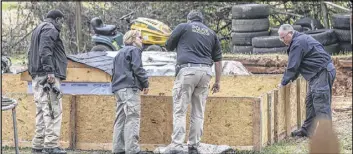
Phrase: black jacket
(305,56)
(46,54)
(195,43)
(128,71)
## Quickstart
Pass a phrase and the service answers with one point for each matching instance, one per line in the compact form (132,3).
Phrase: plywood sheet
(225,119)
(25,114)
(264,119)
(12,83)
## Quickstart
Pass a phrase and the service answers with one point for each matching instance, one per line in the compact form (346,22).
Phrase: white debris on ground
(203,148)
(159,63)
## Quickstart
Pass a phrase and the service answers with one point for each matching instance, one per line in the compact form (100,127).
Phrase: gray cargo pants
(47,131)
(127,121)
(319,97)
(190,86)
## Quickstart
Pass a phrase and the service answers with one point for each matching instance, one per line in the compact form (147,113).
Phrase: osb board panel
(11,83)
(281,111)
(94,118)
(96,115)
(231,86)
(71,64)
(303,93)
(25,115)
(272,95)
(264,119)
(223,118)
(293,104)
(228,121)
(79,75)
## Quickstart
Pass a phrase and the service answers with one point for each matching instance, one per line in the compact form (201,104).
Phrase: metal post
(15,129)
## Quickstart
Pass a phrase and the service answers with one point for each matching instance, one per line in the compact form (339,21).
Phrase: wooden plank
(299,111)
(269,119)
(287,110)
(257,132)
(345,63)
(72,64)
(73,130)
(79,75)
(275,115)
(265,70)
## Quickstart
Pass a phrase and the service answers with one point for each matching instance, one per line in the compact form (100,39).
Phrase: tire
(341,21)
(242,49)
(274,30)
(332,48)
(281,50)
(345,46)
(250,11)
(324,36)
(250,25)
(244,39)
(154,48)
(101,47)
(343,35)
(267,42)
(306,22)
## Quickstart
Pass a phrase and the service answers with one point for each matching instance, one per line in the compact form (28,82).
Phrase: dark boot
(299,133)
(119,152)
(56,150)
(37,151)
(192,150)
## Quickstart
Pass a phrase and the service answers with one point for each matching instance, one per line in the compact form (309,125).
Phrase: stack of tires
(341,26)
(248,21)
(327,38)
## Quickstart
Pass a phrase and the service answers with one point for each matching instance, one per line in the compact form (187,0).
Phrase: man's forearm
(218,70)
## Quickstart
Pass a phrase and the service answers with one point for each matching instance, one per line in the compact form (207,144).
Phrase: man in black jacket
(198,48)
(47,61)
(306,56)
(128,80)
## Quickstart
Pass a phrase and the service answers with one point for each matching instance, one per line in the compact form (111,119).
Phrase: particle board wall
(12,83)
(264,119)
(25,115)
(281,113)
(293,105)
(226,118)
(231,86)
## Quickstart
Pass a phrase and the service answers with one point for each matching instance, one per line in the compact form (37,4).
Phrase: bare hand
(51,78)
(215,88)
(280,85)
(145,90)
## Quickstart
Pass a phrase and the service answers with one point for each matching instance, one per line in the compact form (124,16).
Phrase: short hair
(53,14)
(130,36)
(195,15)
(286,28)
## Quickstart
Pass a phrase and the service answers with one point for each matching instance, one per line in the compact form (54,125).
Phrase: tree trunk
(325,14)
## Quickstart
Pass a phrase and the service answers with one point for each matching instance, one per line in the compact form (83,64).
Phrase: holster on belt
(177,69)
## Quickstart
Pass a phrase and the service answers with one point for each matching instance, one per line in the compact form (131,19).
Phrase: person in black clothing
(128,80)
(47,61)
(198,48)
(306,56)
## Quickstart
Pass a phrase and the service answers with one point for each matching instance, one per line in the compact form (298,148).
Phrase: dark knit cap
(55,14)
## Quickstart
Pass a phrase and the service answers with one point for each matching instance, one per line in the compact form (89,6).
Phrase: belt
(329,67)
(193,65)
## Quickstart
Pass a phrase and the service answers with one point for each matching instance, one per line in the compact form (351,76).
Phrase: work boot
(56,150)
(37,151)
(192,150)
(299,133)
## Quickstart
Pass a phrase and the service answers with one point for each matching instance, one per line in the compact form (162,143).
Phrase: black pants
(319,97)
